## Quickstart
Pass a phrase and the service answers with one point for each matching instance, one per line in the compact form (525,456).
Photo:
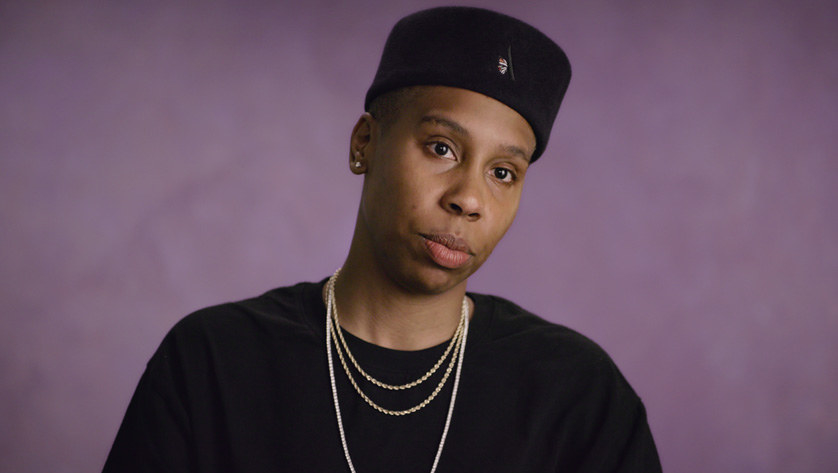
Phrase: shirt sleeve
(640,453)
(619,438)
(154,434)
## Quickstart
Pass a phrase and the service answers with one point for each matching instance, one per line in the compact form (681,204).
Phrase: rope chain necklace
(336,334)
(420,380)
(333,328)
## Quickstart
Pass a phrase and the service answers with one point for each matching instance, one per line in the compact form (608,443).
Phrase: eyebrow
(451,125)
(458,129)
(512,149)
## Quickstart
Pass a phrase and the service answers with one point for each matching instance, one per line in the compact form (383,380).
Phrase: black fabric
(244,387)
(479,50)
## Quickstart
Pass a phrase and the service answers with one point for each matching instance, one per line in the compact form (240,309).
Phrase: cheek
(392,195)
(407,192)
(504,220)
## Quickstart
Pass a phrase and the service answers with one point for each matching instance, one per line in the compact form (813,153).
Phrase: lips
(447,250)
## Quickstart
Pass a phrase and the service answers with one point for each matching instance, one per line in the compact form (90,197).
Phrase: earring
(357,164)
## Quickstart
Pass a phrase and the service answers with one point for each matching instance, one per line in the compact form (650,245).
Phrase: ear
(361,143)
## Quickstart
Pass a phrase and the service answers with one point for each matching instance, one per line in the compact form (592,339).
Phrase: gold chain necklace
(461,350)
(334,331)
(366,375)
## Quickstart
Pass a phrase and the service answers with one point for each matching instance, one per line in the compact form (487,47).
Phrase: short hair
(386,107)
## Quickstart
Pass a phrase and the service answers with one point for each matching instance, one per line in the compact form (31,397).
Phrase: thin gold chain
(366,375)
(461,348)
(385,410)
(334,329)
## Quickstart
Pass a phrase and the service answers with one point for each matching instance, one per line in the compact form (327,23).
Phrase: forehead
(467,113)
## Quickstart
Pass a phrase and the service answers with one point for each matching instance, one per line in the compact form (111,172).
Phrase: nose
(464,196)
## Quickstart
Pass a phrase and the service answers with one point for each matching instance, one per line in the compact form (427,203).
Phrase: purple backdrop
(157,158)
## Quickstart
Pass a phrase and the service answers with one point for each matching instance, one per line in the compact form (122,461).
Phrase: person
(389,364)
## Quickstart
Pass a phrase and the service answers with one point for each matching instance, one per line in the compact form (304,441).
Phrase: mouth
(447,250)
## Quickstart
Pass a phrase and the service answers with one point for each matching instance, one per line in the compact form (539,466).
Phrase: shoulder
(528,364)
(508,323)
(536,345)
(284,312)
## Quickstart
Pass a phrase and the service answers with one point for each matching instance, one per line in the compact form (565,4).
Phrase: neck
(376,309)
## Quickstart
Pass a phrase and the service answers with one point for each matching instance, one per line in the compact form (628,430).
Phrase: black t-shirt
(244,387)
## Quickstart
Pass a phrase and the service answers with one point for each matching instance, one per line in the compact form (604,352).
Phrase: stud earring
(357,164)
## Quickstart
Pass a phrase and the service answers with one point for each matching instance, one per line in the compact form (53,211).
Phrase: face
(442,185)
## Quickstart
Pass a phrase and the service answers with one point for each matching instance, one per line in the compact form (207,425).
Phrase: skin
(452,162)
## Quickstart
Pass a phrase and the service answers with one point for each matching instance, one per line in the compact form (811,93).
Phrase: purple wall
(155,159)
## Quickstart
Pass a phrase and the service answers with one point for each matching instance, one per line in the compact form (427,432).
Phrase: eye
(441,149)
(503,175)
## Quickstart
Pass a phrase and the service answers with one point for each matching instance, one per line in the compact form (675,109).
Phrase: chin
(434,280)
